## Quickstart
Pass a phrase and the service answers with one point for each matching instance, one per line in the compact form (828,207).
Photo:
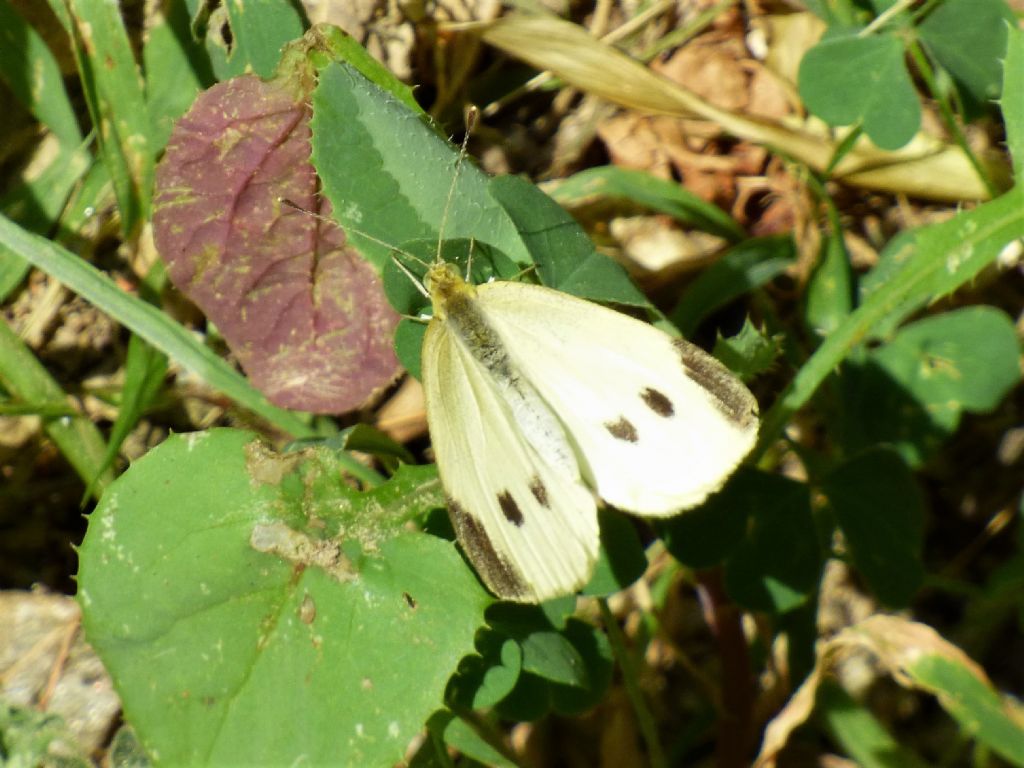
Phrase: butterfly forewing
(658,423)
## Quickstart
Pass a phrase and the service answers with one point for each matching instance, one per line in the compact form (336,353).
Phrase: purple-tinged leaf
(303,312)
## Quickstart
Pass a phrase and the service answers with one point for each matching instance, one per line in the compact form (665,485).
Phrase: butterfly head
(444,283)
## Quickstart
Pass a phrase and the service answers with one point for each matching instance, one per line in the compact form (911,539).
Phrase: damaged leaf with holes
(278,600)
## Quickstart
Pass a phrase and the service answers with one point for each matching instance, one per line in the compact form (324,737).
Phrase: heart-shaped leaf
(256,609)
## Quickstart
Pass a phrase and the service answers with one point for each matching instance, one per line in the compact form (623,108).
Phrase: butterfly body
(537,401)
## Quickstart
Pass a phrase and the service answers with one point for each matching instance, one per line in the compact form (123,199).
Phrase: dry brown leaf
(896,643)
(927,167)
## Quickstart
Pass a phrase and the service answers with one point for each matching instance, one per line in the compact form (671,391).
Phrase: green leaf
(114,93)
(126,751)
(968,37)
(1012,101)
(743,268)
(29,69)
(830,290)
(565,257)
(36,204)
(388,173)
(251,35)
(177,68)
(972,702)
(25,377)
(932,262)
(966,359)
(621,560)
(750,352)
(859,734)
(880,511)
(615,183)
(912,392)
(848,80)
(704,536)
(144,372)
(461,736)
(594,648)
(546,651)
(485,679)
(529,700)
(260,622)
(330,43)
(776,566)
(32,738)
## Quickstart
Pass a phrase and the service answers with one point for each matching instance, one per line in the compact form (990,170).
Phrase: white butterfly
(537,401)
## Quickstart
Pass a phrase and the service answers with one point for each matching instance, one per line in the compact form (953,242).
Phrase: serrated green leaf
(933,261)
(337,43)
(388,173)
(1012,101)
(251,607)
(750,352)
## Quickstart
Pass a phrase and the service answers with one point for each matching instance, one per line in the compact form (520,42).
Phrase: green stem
(952,125)
(644,718)
(486,731)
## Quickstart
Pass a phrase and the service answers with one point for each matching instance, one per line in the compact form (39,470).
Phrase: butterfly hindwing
(658,424)
(518,505)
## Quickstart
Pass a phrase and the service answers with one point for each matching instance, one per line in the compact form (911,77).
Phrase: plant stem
(924,68)
(735,721)
(644,718)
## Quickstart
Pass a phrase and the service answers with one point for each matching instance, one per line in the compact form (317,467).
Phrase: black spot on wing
(498,573)
(540,492)
(732,398)
(622,430)
(510,509)
(658,402)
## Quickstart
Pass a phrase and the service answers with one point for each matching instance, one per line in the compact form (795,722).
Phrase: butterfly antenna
(349,228)
(415,280)
(469,259)
(471,115)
